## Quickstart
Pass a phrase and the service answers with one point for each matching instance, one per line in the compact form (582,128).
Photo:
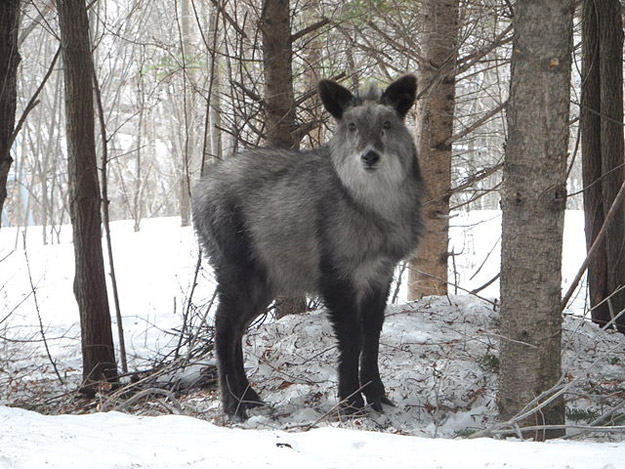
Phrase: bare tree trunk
(312,61)
(188,150)
(533,200)
(46,163)
(212,148)
(428,272)
(601,118)
(277,57)
(611,73)
(279,98)
(9,60)
(137,199)
(89,281)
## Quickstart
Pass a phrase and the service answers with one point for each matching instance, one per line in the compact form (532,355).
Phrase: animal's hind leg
(226,339)
(241,299)
(372,309)
(250,397)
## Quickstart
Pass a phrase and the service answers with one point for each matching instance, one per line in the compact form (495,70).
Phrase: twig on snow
(43,335)
(177,408)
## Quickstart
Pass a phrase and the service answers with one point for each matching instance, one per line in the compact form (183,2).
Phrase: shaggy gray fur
(333,221)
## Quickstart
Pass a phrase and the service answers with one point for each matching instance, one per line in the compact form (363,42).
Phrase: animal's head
(371,149)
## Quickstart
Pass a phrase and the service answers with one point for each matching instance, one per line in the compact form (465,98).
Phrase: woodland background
(181,83)
(169,87)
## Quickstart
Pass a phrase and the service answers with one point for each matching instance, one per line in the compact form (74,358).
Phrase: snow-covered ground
(438,360)
(115,440)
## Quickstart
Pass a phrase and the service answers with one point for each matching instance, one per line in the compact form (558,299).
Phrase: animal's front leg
(372,309)
(345,318)
(349,334)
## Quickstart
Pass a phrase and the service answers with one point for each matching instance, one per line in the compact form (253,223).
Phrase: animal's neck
(386,201)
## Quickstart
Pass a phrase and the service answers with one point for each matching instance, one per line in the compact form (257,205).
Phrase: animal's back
(266,202)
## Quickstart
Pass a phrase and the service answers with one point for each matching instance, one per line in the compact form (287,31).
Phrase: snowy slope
(438,358)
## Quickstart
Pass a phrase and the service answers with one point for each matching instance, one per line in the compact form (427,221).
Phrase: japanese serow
(333,221)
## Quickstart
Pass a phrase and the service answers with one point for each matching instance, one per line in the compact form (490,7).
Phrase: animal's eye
(386,125)
(351,126)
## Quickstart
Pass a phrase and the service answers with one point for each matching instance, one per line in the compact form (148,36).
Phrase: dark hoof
(351,411)
(236,413)
(254,404)
(237,410)
(251,399)
(352,406)
(376,404)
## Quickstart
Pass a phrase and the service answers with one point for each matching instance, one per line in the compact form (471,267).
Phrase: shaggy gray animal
(333,221)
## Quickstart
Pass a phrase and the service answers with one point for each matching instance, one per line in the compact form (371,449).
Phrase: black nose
(370,157)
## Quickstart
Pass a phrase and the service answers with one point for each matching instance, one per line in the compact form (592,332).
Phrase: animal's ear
(401,94)
(335,98)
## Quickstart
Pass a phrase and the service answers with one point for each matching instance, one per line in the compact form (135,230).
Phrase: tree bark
(601,118)
(533,200)
(279,98)
(435,119)
(212,150)
(89,280)
(277,57)
(188,156)
(9,60)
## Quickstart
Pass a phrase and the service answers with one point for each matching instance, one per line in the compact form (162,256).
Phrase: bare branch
(34,101)
(595,246)
(309,29)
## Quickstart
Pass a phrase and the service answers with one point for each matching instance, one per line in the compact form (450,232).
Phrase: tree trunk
(601,118)
(533,201)
(188,51)
(9,60)
(84,192)
(212,148)
(312,59)
(137,199)
(277,55)
(435,119)
(279,98)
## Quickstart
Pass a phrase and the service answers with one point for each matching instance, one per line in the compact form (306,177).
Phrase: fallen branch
(539,428)
(150,392)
